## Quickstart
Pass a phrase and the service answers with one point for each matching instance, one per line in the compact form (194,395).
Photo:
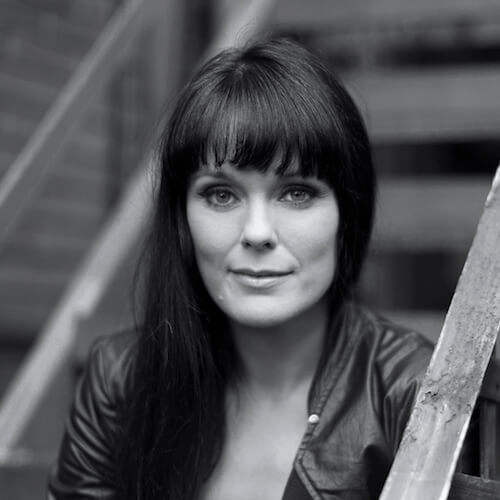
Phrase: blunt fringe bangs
(271,104)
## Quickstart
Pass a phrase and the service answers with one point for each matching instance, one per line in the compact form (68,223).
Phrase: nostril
(258,244)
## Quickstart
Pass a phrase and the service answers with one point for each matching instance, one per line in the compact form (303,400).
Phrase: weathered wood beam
(429,323)
(431,444)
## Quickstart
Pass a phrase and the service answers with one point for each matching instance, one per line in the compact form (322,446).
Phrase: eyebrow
(220,174)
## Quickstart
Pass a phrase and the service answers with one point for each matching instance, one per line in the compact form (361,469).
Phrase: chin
(260,320)
(263,315)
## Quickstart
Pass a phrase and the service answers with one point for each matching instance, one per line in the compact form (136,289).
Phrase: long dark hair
(272,99)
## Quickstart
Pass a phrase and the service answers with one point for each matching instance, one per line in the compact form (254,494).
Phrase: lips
(260,273)
(262,280)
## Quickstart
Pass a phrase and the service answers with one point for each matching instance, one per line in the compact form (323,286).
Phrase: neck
(280,359)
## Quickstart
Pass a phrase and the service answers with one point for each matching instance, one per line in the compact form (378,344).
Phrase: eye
(298,195)
(219,197)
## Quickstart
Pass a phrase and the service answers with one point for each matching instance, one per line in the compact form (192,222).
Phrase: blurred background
(82,87)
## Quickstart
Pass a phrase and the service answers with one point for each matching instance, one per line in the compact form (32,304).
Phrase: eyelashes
(219,197)
(299,195)
(224,197)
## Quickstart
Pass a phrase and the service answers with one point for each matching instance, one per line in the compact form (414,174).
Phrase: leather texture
(363,399)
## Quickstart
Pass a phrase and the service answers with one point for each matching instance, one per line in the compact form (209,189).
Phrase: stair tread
(15,11)
(32,69)
(17,47)
(63,243)
(443,221)
(20,275)
(434,104)
(52,32)
(12,86)
(319,13)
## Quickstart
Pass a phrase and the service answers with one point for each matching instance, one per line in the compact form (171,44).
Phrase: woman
(253,374)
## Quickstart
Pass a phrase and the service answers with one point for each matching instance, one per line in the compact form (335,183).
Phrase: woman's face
(264,244)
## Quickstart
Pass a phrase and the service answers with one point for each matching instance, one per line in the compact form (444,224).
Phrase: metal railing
(41,370)
(34,161)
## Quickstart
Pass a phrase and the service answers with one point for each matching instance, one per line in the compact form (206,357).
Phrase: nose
(258,231)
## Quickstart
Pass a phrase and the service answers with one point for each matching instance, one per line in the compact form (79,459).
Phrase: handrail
(102,59)
(56,340)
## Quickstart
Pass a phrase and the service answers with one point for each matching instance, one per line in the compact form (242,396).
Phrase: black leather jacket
(361,402)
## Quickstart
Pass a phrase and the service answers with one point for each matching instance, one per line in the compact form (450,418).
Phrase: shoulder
(396,351)
(116,351)
(397,359)
(85,465)
(110,363)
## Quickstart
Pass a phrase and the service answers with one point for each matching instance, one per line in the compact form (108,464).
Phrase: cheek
(212,239)
(315,244)
(321,255)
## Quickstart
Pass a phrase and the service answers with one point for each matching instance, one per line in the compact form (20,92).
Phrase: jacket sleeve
(84,468)
(407,359)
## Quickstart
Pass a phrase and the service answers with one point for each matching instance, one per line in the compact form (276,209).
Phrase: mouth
(259,279)
(260,273)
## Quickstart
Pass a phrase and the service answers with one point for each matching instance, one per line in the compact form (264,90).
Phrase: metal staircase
(40,46)
(425,74)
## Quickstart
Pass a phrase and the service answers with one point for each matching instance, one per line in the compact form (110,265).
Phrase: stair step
(91,154)
(16,47)
(82,16)
(48,242)
(54,35)
(465,43)
(28,275)
(28,286)
(30,100)
(322,14)
(433,213)
(439,104)
(28,296)
(20,113)
(12,84)
(34,69)
(69,220)
(16,130)
(80,173)
(17,253)
(23,320)
(80,176)
(84,191)
(11,141)
(19,481)
(14,133)
(23,102)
